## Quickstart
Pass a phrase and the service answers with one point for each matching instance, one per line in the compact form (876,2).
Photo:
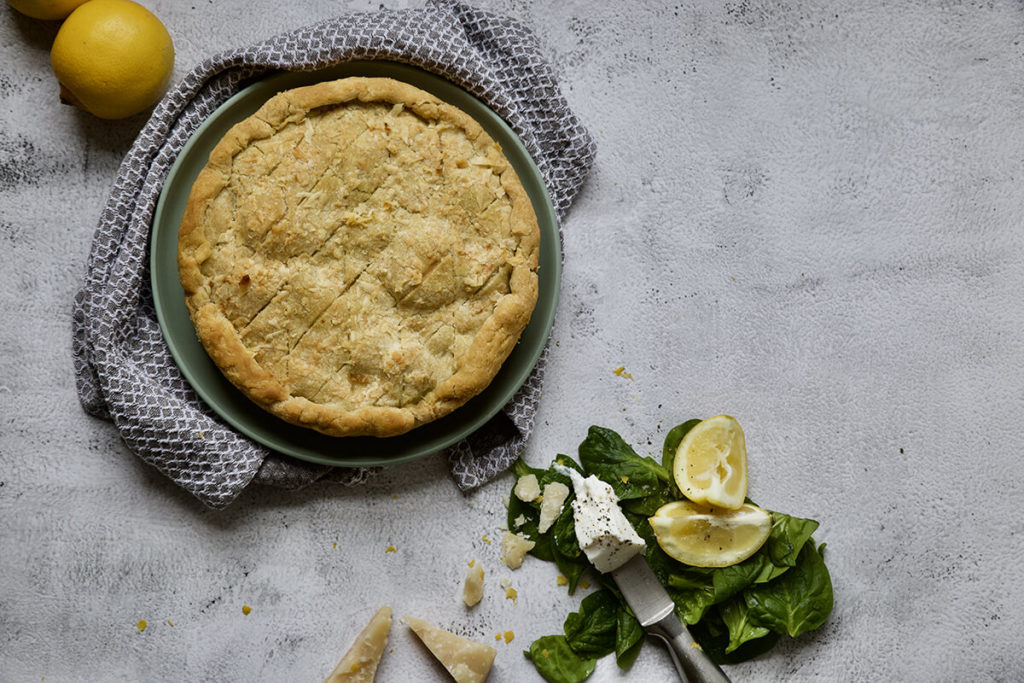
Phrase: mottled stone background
(808,215)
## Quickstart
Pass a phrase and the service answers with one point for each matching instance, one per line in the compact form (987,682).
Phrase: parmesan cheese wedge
(359,665)
(466,660)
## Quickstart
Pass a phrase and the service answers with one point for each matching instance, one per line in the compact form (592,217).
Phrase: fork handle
(691,662)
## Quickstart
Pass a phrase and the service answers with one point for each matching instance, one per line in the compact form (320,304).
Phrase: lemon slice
(710,466)
(704,536)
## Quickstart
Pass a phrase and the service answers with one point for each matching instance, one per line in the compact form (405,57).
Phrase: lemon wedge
(704,536)
(710,466)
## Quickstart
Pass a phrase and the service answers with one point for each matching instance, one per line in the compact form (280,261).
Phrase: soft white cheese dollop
(604,533)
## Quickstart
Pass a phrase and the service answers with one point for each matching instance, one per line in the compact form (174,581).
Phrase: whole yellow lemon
(45,9)
(113,58)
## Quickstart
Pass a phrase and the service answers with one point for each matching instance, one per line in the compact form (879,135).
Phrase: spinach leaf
(566,461)
(735,615)
(564,532)
(551,474)
(556,661)
(521,469)
(592,631)
(606,455)
(728,581)
(629,637)
(798,601)
(660,563)
(568,556)
(692,603)
(787,538)
(696,588)
(712,634)
(544,546)
(669,448)
(648,505)
(571,569)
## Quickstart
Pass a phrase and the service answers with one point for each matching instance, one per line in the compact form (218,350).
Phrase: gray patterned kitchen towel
(124,370)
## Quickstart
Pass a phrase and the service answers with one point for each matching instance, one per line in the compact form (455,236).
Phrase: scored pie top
(358,257)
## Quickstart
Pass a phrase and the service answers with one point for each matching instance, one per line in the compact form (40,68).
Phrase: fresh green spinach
(713,635)
(734,613)
(671,445)
(629,636)
(787,539)
(798,601)
(591,631)
(605,454)
(557,662)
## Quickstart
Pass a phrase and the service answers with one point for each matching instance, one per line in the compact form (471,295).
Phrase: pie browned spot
(359,257)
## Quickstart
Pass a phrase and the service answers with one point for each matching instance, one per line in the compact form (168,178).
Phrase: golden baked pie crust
(358,257)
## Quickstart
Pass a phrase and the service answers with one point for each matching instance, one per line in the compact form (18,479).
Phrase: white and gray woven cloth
(124,370)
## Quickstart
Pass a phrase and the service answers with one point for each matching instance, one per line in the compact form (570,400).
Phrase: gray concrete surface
(807,215)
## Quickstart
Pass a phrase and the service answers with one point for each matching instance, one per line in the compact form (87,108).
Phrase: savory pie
(359,257)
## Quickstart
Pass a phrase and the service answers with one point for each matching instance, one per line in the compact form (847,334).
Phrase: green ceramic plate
(246,416)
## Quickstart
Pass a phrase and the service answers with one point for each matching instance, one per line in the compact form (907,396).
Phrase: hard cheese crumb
(473,586)
(514,548)
(527,489)
(553,498)
(510,592)
(246,609)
